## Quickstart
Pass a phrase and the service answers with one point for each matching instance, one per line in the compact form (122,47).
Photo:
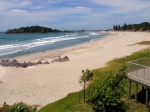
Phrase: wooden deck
(141,76)
(139,73)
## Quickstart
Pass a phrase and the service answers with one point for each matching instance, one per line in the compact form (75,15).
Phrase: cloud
(18,11)
(6,5)
(124,6)
(72,13)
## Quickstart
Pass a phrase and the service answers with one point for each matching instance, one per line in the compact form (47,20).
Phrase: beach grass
(71,102)
(144,43)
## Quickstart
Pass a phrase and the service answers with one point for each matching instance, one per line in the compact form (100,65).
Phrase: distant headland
(32,29)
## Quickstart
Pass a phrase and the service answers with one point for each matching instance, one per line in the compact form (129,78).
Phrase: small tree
(106,97)
(87,75)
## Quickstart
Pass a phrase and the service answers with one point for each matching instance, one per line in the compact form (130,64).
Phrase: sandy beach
(43,84)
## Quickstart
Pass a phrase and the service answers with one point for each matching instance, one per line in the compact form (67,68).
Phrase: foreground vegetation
(18,107)
(106,97)
(71,103)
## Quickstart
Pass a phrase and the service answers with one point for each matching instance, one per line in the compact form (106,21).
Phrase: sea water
(14,45)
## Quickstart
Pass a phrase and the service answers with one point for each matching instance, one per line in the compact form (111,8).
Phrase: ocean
(15,45)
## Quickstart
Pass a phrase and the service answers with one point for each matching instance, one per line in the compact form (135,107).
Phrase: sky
(72,14)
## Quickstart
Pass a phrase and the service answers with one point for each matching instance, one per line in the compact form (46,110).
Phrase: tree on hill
(124,27)
(129,27)
(117,27)
(145,26)
(32,29)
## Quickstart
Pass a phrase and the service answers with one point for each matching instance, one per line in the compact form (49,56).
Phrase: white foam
(93,33)
(38,39)
(3,54)
(7,46)
(14,48)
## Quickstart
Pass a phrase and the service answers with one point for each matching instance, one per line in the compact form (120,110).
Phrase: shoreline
(43,84)
(54,52)
(20,53)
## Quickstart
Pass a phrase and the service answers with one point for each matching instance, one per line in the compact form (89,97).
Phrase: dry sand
(43,84)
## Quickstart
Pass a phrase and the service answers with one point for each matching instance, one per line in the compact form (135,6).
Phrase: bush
(106,97)
(21,107)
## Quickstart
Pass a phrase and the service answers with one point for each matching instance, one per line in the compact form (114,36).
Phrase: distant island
(33,29)
(145,26)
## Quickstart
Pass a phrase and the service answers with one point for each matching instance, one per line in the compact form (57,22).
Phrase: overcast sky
(72,14)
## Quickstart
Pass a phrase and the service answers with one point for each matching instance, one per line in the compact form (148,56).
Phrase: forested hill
(145,26)
(32,29)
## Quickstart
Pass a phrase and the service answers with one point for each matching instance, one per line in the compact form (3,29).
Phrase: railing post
(149,107)
(136,70)
(128,67)
(142,88)
(147,96)
(129,88)
(147,53)
(136,92)
(144,73)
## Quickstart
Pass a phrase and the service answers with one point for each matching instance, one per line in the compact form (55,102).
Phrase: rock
(5,62)
(14,60)
(59,59)
(14,63)
(65,59)
(46,62)
(39,62)
(30,63)
(34,63)
(24,65)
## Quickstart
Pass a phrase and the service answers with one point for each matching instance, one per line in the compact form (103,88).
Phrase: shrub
(107,96)
(21,107)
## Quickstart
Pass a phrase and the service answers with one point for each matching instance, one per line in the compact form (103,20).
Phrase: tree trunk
(79,97)
(84,92)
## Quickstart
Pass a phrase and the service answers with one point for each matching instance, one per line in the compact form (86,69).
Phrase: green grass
(71,103)
(144,43)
